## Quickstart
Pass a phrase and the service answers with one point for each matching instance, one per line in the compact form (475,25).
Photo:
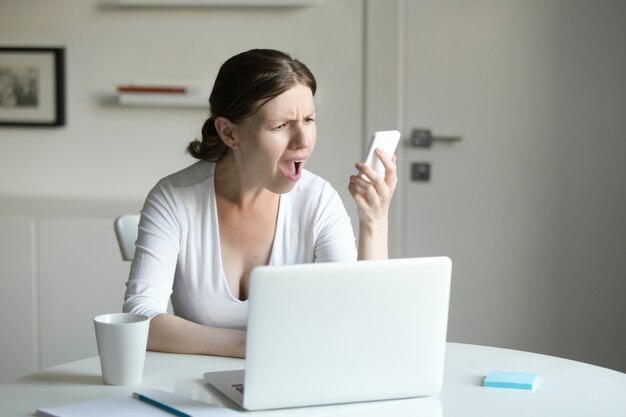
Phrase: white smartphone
(386,140)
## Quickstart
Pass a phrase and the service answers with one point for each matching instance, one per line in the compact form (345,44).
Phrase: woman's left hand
(374,196)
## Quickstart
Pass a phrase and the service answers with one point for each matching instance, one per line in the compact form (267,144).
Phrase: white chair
(126,230)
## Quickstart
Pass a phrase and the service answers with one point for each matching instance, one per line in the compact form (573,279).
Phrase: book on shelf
(150,89)
(162,94)
(163,99)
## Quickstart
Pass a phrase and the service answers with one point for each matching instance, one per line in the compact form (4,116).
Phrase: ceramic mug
(122,341)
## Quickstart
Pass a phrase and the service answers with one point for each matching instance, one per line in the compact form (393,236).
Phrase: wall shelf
(214,3)
(112,100)
(182,101)
(159,94)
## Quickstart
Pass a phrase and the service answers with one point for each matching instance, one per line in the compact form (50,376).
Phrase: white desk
(567,388)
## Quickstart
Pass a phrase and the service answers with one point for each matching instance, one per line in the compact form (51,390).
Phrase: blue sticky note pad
(518,380)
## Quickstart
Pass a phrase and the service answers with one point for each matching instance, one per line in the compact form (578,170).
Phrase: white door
(537,92)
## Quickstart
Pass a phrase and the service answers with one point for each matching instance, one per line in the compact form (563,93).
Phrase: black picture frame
(32,86)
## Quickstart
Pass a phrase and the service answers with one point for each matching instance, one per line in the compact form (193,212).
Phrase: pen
(160,405)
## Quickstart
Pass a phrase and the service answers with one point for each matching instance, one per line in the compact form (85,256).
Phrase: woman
(247,202)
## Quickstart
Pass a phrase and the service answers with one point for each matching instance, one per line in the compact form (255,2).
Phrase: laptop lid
(344,332)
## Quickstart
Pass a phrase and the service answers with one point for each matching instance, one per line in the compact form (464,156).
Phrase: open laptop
(332,333)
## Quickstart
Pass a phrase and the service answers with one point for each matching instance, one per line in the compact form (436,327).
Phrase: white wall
(18,304)
(113,152)
(57,272)
(590,285)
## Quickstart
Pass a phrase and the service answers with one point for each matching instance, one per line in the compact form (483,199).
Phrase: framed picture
(32,86)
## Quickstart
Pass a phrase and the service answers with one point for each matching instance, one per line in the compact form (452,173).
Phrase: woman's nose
(301,137)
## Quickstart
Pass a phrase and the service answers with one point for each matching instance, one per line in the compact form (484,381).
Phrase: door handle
(423,138)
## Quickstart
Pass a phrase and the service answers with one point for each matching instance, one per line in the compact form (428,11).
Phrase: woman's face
(275,142)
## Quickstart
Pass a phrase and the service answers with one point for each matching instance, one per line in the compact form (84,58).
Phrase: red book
(151,89)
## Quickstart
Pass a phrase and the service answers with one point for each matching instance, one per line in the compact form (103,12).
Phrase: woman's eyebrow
(289,116)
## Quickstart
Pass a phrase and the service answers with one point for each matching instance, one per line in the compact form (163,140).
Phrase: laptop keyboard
(238,387)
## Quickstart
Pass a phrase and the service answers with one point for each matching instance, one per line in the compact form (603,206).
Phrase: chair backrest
(126,232)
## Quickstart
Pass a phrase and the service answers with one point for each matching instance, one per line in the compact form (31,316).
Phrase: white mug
(122,341)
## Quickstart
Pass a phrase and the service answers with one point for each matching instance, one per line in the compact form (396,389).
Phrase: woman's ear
(225,129)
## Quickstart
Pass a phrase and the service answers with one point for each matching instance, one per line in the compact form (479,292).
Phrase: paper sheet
(127,406)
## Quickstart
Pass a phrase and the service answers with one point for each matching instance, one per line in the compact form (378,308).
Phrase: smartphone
(386,140)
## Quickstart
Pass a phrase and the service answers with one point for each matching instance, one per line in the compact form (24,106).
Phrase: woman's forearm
(169,333)
(373,197)
(373,240)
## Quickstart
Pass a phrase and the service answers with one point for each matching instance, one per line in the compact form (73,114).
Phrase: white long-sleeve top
(178,248)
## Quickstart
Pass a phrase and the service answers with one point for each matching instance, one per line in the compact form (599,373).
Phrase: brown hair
(243,84)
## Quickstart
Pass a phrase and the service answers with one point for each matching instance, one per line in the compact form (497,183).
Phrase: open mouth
(292,169)
(297,167)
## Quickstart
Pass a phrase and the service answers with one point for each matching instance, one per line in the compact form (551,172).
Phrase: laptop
(332,333)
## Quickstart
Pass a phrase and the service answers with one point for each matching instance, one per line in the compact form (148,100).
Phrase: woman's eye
(309,120)
(280,126)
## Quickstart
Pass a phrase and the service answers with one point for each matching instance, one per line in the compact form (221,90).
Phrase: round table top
(565,388)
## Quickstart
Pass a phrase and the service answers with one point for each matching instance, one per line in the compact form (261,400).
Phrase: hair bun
(208,129)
